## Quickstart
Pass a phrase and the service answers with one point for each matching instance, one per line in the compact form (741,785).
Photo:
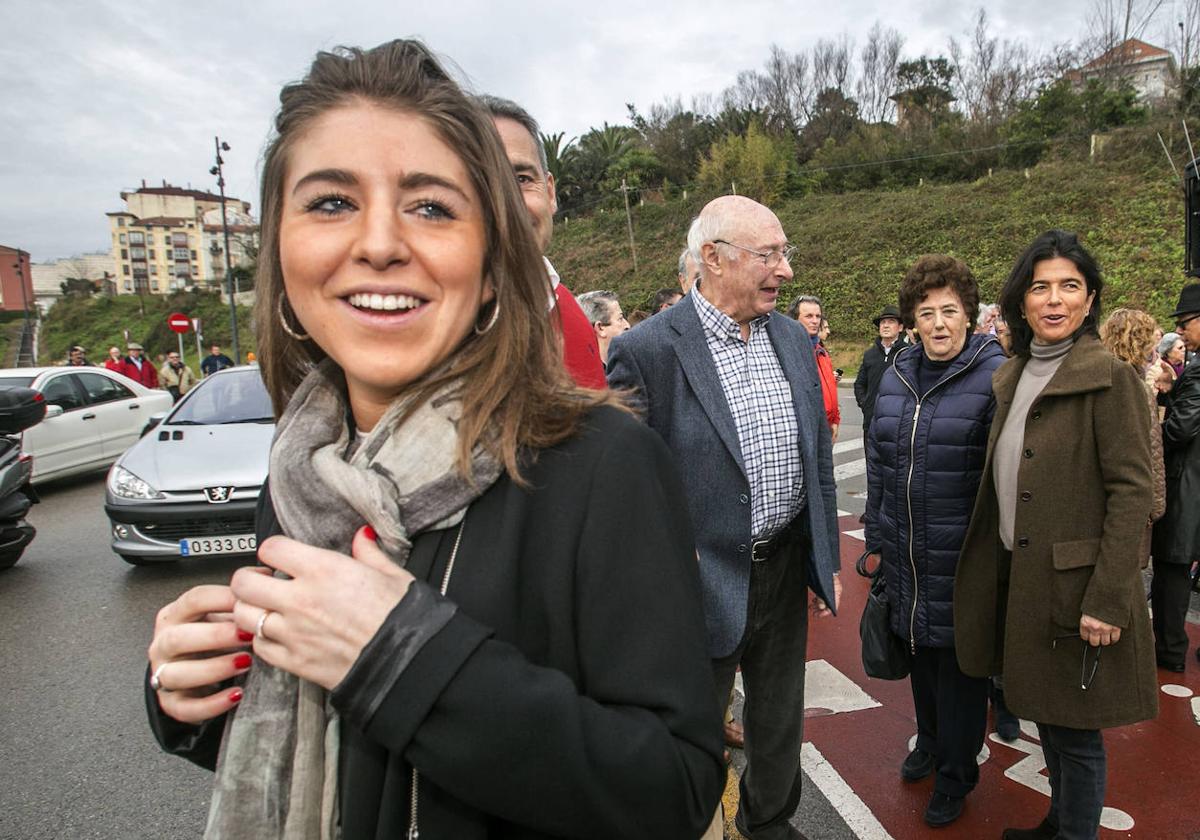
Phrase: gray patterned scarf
(276,777)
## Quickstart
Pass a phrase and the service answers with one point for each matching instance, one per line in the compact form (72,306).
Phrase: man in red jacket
(139,369)
(807,310)
(519,133)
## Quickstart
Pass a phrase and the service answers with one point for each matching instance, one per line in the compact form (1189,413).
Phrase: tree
(834,117)
(560,161)
(876,83)
(77,287)
(678,138)
(760,165)
(990,77)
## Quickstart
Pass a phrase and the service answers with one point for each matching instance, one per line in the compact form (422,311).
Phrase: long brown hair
(516,395)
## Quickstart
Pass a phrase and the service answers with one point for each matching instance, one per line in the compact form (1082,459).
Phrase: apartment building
(169,238)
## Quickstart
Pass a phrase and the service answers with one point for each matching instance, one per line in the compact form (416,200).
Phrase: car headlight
(126,485)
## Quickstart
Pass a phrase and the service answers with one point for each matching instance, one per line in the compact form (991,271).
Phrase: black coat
(922,476)
(1177,534)
(571,695)
(866,384)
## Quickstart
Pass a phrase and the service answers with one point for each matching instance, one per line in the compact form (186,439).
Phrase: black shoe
(1173,667)
(917,766)
(1045,831)
(943,809)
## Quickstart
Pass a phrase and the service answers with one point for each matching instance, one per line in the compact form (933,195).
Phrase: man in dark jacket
(1177,534)
(215,362)
(876,360)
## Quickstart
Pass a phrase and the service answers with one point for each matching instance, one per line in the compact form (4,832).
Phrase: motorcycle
(20,409)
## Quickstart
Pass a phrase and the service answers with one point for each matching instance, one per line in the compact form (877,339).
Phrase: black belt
(765,549)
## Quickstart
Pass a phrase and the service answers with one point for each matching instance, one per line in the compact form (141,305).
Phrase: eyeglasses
(1085,678)
(1179,325)
(770,258)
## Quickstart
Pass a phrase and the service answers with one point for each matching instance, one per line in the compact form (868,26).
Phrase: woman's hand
(317,623)
(1095,632)
(196,646)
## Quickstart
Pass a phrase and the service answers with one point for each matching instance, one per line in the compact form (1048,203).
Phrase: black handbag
(885,656)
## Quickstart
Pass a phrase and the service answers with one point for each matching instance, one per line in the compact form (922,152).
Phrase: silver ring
(156,679)
(258,630)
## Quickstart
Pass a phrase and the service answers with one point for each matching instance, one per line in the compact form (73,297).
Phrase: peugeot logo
(218,495)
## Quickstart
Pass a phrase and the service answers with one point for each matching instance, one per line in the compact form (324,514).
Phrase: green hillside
(854,248)
(99,323)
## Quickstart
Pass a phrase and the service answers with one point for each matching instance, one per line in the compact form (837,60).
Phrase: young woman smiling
(449,642)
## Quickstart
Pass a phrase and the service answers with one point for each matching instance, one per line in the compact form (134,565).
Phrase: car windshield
(225,398)
(15,381)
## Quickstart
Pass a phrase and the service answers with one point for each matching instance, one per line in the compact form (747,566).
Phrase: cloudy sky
(96,95)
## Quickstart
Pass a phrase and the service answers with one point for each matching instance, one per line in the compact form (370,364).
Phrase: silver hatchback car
(189,488)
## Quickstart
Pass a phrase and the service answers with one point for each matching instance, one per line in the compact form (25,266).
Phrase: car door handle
(134,407)
(89,417)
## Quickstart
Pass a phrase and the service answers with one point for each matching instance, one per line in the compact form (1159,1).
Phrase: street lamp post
(216,170)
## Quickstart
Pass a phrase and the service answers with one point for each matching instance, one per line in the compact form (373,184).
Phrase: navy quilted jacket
(925,457)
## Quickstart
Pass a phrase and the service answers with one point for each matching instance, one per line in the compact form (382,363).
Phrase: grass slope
(99,323)
(854,248)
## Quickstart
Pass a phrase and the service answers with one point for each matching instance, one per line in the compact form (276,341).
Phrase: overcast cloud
(96,96)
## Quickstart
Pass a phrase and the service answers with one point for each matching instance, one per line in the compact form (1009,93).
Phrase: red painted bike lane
(1153,767)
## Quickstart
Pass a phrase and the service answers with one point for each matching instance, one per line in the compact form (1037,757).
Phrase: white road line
(846,802)
(847,445)
(844,512)
(850,469)
(860,534)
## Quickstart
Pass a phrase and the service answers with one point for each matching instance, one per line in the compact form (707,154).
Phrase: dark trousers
(771,654)
(1170,591)
(1077,767)
(951,717)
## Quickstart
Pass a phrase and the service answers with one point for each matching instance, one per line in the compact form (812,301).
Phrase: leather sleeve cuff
(421,613)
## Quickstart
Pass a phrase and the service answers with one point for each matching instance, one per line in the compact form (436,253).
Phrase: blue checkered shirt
(760,400)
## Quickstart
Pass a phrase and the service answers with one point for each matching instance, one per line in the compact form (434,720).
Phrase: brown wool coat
(1084,501)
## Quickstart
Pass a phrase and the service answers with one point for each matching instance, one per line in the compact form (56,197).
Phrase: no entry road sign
(178,322)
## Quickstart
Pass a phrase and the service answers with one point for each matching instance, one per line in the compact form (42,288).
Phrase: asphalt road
(77,759)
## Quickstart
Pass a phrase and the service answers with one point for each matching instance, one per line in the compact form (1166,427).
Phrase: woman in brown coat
(1053,541)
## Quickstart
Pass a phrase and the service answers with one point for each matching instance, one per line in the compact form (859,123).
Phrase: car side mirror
(154,420)
(53,411)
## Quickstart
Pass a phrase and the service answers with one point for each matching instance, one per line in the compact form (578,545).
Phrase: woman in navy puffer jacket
(925,455)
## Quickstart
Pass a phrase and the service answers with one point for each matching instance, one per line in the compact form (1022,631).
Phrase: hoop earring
(492,321)
(299,336)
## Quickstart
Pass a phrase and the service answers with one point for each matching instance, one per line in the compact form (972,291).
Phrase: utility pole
(216,170)
(629,224)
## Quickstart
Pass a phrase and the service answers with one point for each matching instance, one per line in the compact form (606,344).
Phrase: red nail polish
(245,636)
(370,534)
(242,660)
(235,696)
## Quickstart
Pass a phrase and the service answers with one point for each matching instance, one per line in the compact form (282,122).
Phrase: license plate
(238,544)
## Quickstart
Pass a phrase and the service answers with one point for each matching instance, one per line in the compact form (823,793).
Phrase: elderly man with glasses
(722,375)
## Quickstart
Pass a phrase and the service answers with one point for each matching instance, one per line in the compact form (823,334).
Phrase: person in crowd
(807,310)
(985,323)
(251,358)
(1129,334)
(637,316)
(1002,333)
(115,361)
(603,311)
(688,270)
(76,358)
(665,299)
(823,333)
(1176,544)
(1048,591)
(520,135)
(215,361)
(176,376)
(138,368)
(450,647)
(721,374)
(925,453)
(876,359)
(1173,351)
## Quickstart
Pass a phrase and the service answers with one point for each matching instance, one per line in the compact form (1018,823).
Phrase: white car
(92,416)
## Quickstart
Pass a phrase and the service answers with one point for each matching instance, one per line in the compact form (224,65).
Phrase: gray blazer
(666,364)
